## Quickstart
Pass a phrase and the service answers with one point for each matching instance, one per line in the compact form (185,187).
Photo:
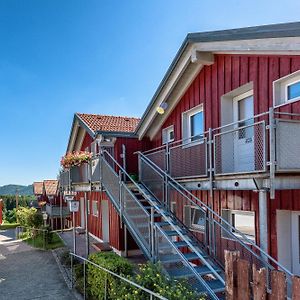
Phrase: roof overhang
(198,50)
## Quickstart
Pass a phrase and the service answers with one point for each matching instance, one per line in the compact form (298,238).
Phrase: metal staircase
(158,233)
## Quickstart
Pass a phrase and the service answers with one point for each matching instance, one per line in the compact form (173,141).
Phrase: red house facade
(218,160)
(231,131)
(1,211)
(91,132)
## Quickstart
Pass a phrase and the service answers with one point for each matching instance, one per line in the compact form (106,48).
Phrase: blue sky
(58,57)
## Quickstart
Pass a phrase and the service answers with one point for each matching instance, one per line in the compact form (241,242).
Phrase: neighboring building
(222,165)
(38,193)
(114,134)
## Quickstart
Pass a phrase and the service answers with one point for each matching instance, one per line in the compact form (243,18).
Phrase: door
(244,137)
(105,220)
(82,213)
(295,242)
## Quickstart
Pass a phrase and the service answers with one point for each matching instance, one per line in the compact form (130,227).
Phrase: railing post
(210,155)
(72,272)
(272,157)
(84,280)
(121,197)
(100,166)
(152,237)
(167,166)
(139,168)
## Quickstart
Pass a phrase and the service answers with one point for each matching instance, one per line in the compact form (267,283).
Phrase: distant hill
(10,189)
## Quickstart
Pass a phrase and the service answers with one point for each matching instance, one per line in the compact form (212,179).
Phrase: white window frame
(186,124)
(280,89)
(229,220)
(95,214)
(191,225)
(88,206)
(166,134)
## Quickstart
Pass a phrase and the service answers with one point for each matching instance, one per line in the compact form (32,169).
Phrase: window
(293,91)
(287,89)
(195,218)
(95,208)
(168,134)
(243,221)
(193,124)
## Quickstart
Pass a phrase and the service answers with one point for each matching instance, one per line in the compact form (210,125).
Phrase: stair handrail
(203,282)
(164,216)
(195,200)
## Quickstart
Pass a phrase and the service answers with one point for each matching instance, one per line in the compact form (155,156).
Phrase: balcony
(54,210)
(267,145)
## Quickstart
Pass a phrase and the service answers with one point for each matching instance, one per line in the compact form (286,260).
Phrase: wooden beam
(278,285)
(259,287)
(243,287)
(296,288)
(231,258)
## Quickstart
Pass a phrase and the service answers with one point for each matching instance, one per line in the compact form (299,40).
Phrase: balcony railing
(55,210)
(83,174)
(267,143)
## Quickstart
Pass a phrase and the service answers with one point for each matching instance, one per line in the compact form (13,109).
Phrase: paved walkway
(27,273)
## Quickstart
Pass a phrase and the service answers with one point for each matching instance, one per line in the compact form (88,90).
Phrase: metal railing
(141,223)
(267,143)
(148,293)
(32,234)
(132,212)
(56,210)
(218,233)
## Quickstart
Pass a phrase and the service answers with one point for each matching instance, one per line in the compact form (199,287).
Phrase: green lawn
(40,242)
(8,226)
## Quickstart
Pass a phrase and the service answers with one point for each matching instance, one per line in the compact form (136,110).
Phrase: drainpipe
(263,220)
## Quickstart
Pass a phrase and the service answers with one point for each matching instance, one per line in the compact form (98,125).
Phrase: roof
(283,30)
(109,123)
(50,187)
(38,188)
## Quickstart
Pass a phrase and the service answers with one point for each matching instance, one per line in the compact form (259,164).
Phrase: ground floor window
(243,221)
(195,218)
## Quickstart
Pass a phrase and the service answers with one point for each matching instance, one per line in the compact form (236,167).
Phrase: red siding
(116,234)
(228,73)
(1,207)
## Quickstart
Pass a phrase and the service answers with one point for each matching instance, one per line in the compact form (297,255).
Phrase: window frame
(192,226)
(280,89)
(231,212)
(287,85)
(186,124)
(93,212)
(88,206)
(166,133)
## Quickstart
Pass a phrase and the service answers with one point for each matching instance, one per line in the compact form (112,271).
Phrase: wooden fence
(240,285)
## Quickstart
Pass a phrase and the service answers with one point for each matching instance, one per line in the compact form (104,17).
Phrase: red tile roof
(38,188)
(50,187)
(109,123)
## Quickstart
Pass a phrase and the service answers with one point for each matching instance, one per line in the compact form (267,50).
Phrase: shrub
(97,278)
(151,277)
(29,217)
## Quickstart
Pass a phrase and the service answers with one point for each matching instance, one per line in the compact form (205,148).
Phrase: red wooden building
(115,134)
(221,167)
(49,199)
(228,110)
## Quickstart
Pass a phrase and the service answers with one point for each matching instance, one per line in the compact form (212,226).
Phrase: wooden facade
(227,73)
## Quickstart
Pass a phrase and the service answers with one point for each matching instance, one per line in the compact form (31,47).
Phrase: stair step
(174,232)
(187,272)
(216,285)
(170,258)
(162,224)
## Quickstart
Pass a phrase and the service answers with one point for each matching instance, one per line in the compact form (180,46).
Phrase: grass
(8,226)
(38,241)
